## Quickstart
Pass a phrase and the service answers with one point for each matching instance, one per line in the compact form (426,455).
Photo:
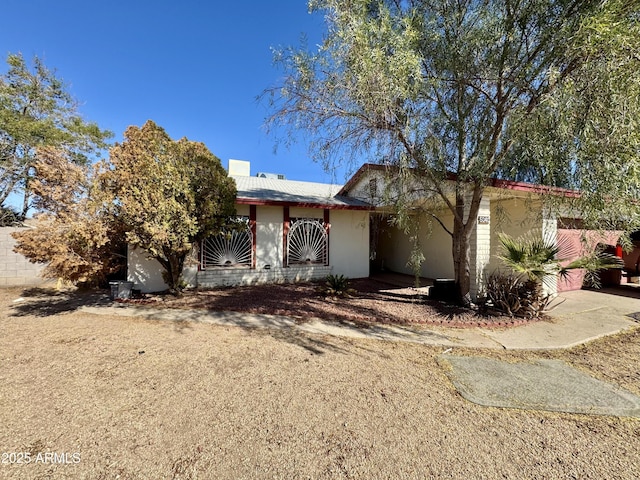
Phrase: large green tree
(454,92)
(37,110)
(168,194)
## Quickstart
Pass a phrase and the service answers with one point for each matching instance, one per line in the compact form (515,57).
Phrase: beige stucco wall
(301,212)
(515,217)
(269,231)
(363,190)
(349,243)
(348,252)
(144,272)
(242,210)
(394,249)
(437,247)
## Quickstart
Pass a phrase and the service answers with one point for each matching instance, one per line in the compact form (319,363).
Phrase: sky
(194,67)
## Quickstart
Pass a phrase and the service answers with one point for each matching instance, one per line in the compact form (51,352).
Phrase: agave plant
(337,286)
(516,297)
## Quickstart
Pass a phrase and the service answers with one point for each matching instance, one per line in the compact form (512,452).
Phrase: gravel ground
(373,302)
(137,399)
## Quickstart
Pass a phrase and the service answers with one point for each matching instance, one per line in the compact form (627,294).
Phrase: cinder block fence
(15,269)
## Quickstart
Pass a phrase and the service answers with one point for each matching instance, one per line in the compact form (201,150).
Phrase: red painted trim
(278,203)
(286,223)
(327,227)
(531,187)
(493,182)
(252,226)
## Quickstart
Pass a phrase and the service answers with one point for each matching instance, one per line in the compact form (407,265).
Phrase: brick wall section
(480,248)
(550,228)
(16,270)
(243,276)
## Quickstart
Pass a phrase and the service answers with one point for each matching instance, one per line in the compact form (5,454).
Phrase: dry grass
(154,400)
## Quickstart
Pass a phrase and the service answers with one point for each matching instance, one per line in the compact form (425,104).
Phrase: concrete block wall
(224,277)
(15,269)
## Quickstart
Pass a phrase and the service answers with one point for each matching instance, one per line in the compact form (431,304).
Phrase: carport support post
(480,247)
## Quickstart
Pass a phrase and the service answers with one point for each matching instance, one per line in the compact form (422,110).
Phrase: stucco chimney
(239,168)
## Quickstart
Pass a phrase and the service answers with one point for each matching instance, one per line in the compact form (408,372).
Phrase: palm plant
(536,256)
(534,259)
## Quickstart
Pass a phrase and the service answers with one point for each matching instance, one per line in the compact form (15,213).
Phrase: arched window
(307,242)
(231,248)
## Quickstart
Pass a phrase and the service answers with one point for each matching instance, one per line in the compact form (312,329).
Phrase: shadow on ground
(374,303)
(313,344)
(45,302)
(622,291)
(49,302)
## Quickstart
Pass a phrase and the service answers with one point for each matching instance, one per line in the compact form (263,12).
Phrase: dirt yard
(373,301)
(98,397)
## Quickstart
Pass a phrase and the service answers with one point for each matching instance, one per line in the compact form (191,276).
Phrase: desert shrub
(337,286)
(515,295)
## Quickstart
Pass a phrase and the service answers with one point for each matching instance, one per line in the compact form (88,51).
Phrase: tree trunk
(27,192)
(25,204)
(173,264)
(461,251)
(7,191)
(461,241)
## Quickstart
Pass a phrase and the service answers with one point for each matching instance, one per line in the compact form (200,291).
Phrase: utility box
(120,289)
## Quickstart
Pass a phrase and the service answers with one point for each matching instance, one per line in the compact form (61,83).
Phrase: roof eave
(289,203)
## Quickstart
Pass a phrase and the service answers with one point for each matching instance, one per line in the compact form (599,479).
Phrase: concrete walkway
(578,317)
(550,385)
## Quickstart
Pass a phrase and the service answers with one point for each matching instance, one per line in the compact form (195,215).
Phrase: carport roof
(272,191)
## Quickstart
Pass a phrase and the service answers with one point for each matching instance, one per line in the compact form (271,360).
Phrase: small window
(230,248)
(307,242)
(373,188)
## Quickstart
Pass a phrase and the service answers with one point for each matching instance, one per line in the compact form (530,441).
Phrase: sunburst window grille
(231,248)
(307,242)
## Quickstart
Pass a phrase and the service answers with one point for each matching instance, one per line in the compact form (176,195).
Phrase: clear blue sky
(193,67)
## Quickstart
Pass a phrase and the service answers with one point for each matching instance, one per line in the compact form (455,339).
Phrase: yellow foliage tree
(74,234)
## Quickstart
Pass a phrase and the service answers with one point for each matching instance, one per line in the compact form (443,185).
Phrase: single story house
(290,231)
(295,231)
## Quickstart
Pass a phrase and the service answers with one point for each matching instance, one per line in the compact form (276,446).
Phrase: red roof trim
(493,182)
(282,203)
(531,187)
